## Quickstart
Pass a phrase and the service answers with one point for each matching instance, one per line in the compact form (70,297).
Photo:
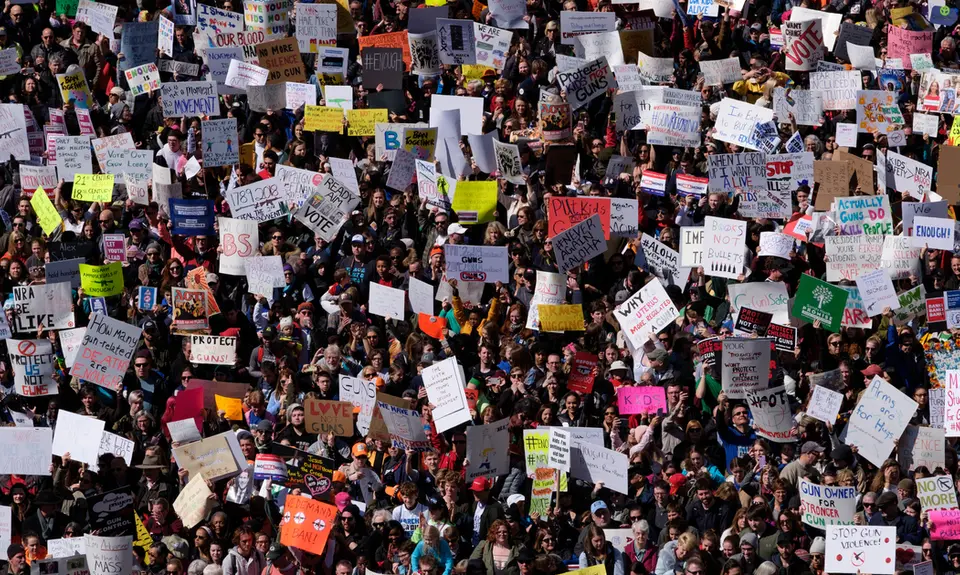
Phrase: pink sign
(645,399)
(114,248)
(944,524)
(901,43)
(86,122)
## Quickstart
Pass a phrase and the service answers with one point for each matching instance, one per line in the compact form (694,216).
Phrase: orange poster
(306,524)
(391,40)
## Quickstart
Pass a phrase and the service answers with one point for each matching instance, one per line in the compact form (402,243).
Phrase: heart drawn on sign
(316,485)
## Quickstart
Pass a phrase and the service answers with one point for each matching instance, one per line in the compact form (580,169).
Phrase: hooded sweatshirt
(236,564)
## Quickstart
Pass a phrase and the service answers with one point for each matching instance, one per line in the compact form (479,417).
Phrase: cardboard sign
(210,457)
(746,366)
(561,318)
(221,144)
(193,504)
(324,416)
(853,549)
(729,172)
(213,350)
(951,413)
(282,58)
(79,436)
(823,505)
(47,305)
(923,446)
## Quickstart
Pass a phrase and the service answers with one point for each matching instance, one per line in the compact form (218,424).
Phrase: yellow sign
(101,281)
(93,187)
(898,15)
(47,214)
(73,88)
(421,142)
(475,202)
(322,119)
(143,540)
(248,154)
(954,138)
(566,317)
(364,122)
(474,71)
(231,406)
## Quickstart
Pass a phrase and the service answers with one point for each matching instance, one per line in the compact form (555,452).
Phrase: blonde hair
(687,541)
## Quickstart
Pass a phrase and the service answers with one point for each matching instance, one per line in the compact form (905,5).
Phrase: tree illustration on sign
(822,295)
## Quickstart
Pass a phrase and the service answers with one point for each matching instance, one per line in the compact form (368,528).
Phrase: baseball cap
(359,449)
(479,484)
(597,506)
(811,446)
(264,425)
(886,499)
(456,228)
(356,239)
(342,499)
(871,370)
(339,476)
(276,551)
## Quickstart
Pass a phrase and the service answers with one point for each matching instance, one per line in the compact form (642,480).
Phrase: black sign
(784,336)
(112,512)
(383,66)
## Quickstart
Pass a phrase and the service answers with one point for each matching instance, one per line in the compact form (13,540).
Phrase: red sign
(581,376)
(936,310)
(563,213)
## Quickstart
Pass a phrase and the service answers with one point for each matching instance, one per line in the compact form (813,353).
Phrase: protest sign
(710,349)
(213,349)
(878,111)
(387,302)
(405,427)
(839,89)
(483,449)
(944,524)
(260,201)
(109,555)
(324,416)
(691,246)
(238,238)
(856,549)
(851,256)
(33,364)
(26,450)
(647,311)
(589,81)
(46,305)
(720,72)
(770,297)
(746,366)
(307,524)
(923,446)
(660,260)
(936,492)
(902,43)
(102,281)
(624,216)
(316,26)
(880,417)
(805,105)
(550,288)
(803,44)
(189,99)
(579,244)
(143,79)
(34,177)
(750,321)
(933,233)
(189,309)
(190,217)
(819,301)
(783,336)
(824,404)
(92,187)
(857,35)
(776,244)
(725,246)
(561,318)
(558,453)
(864,215)
(193,504)
(72,157)
(485,264)
(73,88)
(729,172)
(952,395)
(105,353)
(823,505)
(542,488)
(79,436)
(456,42)
(221,145)
(736,121)
(573,24)
(877,292)
(444,382)
(594,463)
(211,457)
(582,373)
(642,399)
(672,125)
(564,213)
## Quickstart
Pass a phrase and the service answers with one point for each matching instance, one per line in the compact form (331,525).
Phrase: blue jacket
(445,557)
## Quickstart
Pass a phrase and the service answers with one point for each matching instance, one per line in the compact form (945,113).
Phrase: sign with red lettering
(708,349)
(951,412)
(804,44)
(783,336)
(944,524)
(323,416)
(213,349)
(901,43)
(306,524)
(643,399)
(822,505)
(563,213)
(105,353)
(32,361)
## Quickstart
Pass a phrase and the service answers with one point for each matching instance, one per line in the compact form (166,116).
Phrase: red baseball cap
(479,484)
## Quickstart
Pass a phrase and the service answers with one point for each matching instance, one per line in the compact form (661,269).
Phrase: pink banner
(646,399)
(901,43)
(944,524)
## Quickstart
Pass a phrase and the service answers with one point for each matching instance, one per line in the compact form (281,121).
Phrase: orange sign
(306,524)
(391,40)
